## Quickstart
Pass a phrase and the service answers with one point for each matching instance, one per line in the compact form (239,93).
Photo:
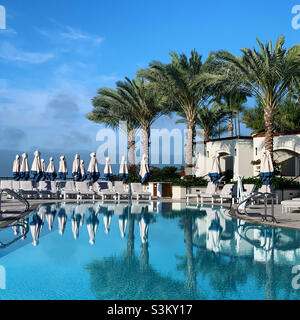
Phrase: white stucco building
(237,153)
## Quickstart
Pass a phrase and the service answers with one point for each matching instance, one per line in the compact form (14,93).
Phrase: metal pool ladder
(16,196)
(243,206)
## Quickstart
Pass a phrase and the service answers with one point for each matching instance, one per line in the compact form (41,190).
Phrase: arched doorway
(226,163)
(289,162)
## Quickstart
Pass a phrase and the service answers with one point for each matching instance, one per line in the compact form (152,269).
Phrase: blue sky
(54,55)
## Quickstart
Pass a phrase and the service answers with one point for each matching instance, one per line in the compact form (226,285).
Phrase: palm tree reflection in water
(130,277)
(223,257)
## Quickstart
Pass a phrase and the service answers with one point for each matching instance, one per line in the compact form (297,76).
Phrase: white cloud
(8,32)
(11,53)
(69,33)
(75,34)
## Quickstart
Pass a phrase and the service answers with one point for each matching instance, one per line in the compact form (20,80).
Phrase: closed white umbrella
(93,171)
(92,226)
(62,220)
(107,169)
(51,172)
(266,169)
(76,168)
(144,169)
(215,174)
(62,170)
(43,168)
(83,174)
(24,170)
(16,168)
(107,221)
(36,168)
(123,172)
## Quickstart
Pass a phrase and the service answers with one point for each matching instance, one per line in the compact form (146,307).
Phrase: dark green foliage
(277,182)
(286,119)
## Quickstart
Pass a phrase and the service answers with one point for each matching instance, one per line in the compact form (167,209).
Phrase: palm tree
(181,80)
(233,103)
(109,109)
(144,103)
(209,119)
(286,118)
(267,73)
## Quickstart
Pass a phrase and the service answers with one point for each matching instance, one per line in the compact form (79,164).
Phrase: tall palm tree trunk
(131,146)
(189,148)
(230,127)
(145,140)
(269,124)
(235,124)
(239,124)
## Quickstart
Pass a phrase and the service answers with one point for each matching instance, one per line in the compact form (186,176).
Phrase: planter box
(287,194)
(178,192)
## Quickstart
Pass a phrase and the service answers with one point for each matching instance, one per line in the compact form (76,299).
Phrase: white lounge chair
(84,190)
(48,189)
(226,193)
(6,184)
(16,186)
(69,190)
(27,190)
(209,193)
(137,191)
(104,189)
(287,205)
(120,190)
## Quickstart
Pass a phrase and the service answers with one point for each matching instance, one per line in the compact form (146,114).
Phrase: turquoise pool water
(145,251)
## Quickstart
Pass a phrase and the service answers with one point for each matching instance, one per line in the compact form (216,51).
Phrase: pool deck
(286,220)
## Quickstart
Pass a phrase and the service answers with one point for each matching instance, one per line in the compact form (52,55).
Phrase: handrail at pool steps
(243,205)
(17,197)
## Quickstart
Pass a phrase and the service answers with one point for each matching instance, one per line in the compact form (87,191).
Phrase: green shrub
(277,182)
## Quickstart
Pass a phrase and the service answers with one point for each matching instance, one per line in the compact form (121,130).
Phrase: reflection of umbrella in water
(81,210)
(35,228)
(62,219)
(92,226)
(23,228)
(123,224)
(144,227)
(42,211)
(50,218)
(15,230)
(75,221)
(213,235)
(107,221)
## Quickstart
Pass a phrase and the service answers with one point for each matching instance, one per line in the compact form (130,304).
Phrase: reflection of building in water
(218,232)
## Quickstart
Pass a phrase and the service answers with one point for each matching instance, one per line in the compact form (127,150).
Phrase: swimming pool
(145,251)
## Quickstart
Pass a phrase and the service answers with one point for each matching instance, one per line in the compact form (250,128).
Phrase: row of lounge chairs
(79,190)
(225,194)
